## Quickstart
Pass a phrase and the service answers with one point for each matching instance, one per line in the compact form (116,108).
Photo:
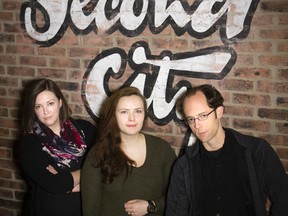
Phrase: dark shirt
(48,193)
(222,181)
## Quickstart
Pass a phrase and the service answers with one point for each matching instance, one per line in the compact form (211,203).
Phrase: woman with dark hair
(52,150)
(127,171)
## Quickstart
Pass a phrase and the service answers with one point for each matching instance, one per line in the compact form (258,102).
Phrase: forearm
(76,177)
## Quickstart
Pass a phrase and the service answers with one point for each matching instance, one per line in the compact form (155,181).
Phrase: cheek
(38,114)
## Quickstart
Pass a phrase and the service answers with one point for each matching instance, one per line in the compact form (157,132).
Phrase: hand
(51,169)
(76,188)
(136,207)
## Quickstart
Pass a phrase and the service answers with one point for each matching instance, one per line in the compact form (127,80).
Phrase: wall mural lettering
(153,75)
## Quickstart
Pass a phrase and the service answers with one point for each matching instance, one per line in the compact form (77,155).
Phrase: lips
(134,125)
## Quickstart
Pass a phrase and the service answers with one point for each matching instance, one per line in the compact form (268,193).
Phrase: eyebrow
(203,113)
(53,99)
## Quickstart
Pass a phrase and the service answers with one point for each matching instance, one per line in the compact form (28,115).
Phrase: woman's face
(47,109)
(130,114)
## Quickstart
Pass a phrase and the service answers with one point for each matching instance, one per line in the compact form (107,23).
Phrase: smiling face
(208,130)
(130,115)
(47,109)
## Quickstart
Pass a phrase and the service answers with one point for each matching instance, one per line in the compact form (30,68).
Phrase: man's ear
(220,111)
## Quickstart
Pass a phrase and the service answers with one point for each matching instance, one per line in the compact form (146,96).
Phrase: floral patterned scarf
(65,149)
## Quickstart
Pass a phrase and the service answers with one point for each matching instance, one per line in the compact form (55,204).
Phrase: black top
(49,194)
(266,175)
(222,181)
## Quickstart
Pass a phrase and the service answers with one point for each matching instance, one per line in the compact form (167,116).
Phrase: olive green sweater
(149,181)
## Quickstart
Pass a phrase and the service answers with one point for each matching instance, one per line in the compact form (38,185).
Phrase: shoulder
(29,140)
(255,145)
(82,123)
(85,127)
(247,140)
(159,144)
(154,140)
(29,144)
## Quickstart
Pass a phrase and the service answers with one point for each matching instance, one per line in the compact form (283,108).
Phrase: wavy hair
(108,154)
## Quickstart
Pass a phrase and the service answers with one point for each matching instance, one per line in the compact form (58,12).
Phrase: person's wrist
(151,208)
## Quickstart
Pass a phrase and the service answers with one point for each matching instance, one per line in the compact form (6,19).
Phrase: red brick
(3,112)
(12,28)
(52,51)
(253,46)
(8,123)
(52,73)
(165,43)
(282,74)
(245,59)
(282,101)
(283,19)
(7,59)
(11,5)
(75,75)
(262,20)
(277,114)
(6,16)
(252,99)
(253,73)
(8,81)
(282,152)
(21,71)
(241,85)
(283,128)
(6,212)
(275,139)
(95,41)
(274,34)
(274,6)
(283,47)
(274,60)
(82,52)
(272,87)
(4,132)
(19,49)
(7,38)
(65,62)
(238,111)
(249,124)
(7,174)
(31,60)
(6,193)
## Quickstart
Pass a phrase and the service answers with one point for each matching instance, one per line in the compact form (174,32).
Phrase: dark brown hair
(213,96)
(33,89)
(108,154)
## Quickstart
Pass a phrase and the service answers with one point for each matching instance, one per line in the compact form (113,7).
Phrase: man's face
(196,107)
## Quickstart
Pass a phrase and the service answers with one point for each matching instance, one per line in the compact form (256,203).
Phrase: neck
(131,141)
(216,142)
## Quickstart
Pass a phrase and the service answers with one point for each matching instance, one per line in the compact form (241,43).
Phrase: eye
(190,120)
(51,103)
(123,111)
(202,117)
(37,107)
(139,111)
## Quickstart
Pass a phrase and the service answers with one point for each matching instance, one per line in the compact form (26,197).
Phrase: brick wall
(255,90)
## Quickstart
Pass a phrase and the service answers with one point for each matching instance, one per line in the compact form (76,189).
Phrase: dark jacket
(266,175)
(48,193)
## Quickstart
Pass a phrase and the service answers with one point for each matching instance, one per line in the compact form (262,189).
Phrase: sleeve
(177,197)
(88,130)
(276,183)
(169,158)
(34,162)
(91,186)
